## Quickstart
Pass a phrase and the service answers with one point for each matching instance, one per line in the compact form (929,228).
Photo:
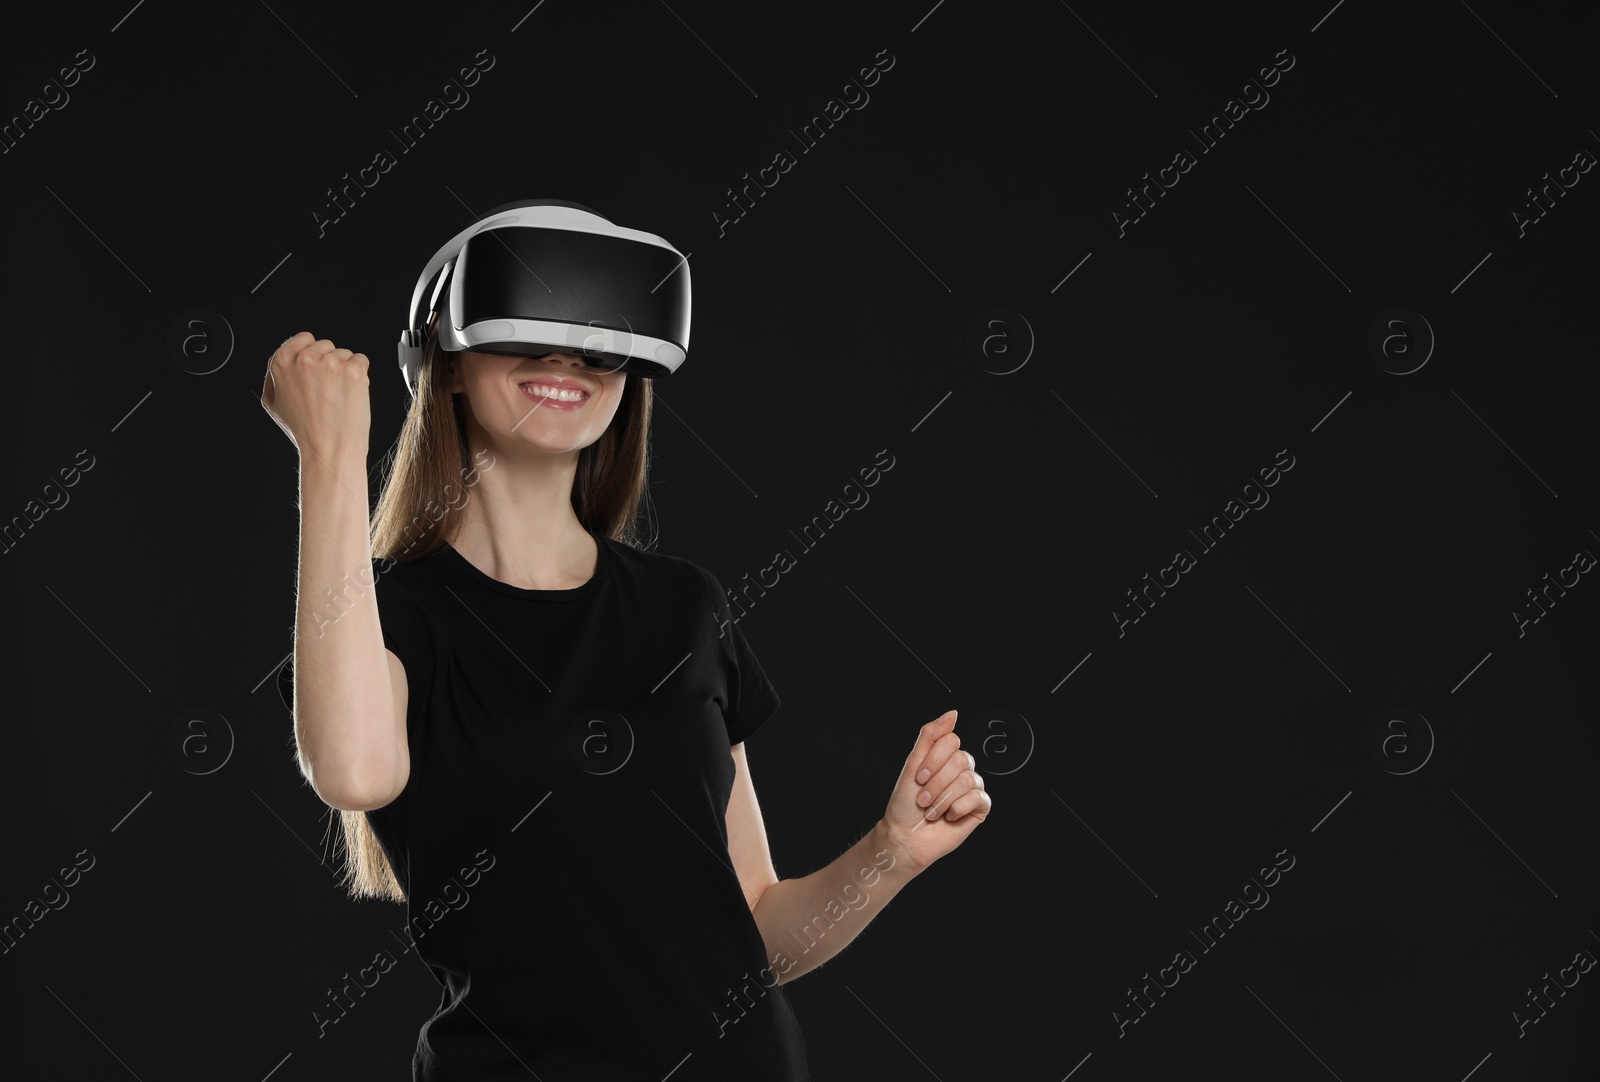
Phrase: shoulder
(409,562)
(665,568)
(408,574)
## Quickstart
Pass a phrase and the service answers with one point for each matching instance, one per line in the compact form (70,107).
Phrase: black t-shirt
(561,836)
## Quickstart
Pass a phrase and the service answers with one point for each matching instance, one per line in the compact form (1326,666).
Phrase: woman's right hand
(320,396)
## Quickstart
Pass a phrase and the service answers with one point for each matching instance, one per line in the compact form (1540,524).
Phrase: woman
(534,732)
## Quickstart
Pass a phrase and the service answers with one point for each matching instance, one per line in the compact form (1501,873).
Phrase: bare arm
(806,921)
(938,800)
(349,690)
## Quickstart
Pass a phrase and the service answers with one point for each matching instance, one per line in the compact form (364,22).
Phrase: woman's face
(510,398)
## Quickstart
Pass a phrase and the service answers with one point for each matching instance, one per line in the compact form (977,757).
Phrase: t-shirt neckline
(472,571)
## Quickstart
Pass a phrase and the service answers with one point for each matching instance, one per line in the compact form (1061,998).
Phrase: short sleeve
(405,630)
(751,699)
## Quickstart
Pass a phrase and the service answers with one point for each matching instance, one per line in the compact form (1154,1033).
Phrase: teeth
(544,390)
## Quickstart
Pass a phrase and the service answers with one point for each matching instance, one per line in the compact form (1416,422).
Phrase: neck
(519,525)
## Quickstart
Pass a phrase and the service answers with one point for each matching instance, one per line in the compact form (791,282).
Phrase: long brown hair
(424,477)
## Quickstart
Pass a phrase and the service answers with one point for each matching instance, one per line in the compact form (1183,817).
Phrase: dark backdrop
(1382,273)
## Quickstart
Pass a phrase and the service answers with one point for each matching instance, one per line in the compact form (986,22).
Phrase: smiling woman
(531,680)
(507,653)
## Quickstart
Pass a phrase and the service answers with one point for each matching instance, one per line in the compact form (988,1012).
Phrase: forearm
(806,921)
(343,714)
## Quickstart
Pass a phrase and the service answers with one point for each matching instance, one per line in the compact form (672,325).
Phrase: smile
(554,397)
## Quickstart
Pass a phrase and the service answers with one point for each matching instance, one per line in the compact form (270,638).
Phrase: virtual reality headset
(542,276)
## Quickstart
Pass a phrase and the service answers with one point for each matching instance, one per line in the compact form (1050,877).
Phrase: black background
(831,322)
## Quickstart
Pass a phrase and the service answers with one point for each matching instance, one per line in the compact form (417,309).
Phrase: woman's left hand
(941,779)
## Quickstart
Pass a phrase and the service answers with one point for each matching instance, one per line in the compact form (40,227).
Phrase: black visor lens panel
(585,280)
(599,362)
